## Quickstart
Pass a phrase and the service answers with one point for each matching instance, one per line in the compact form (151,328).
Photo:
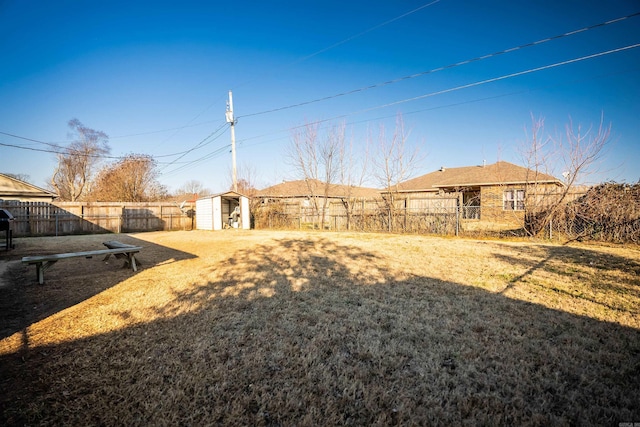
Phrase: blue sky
(155,77)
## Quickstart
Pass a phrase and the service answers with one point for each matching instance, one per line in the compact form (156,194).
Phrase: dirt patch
(68,282)
(4,267)
(293,328)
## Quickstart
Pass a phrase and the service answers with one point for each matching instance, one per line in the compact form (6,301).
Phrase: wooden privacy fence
(63,218)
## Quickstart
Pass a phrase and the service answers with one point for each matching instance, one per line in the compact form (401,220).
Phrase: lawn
(308,328)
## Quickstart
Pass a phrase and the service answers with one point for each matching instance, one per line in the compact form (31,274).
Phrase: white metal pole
(232,121)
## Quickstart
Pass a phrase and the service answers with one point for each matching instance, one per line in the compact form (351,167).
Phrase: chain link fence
(602,214)
(440,218)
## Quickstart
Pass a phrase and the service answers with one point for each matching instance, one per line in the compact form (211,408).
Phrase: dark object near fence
(6,225)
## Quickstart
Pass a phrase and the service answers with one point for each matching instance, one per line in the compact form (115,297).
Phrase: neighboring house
(306,199)
(15,189)
(302,191)
(496,193)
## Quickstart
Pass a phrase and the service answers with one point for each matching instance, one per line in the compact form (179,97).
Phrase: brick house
(312,201)
(303,190)
(495,193)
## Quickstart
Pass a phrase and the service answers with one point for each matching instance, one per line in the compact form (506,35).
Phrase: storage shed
(216,212)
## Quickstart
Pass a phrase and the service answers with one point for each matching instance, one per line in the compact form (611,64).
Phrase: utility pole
(232,121)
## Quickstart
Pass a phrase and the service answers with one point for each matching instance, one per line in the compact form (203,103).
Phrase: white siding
(204,214)
(213,212)
(217,213)
(244,211)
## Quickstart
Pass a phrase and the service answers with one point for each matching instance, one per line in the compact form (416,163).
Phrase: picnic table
(119,250)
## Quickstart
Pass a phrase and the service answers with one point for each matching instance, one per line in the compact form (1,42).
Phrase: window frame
(513,200)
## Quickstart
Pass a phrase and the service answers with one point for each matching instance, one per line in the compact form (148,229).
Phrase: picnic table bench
(119,250)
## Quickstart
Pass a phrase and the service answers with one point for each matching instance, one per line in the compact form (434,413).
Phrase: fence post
(28,218)
(405,216)
(457,219)
(121,222)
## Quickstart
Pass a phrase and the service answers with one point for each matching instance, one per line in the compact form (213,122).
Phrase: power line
(62,150)
(188,123)
(447,91)
(59,149)
(507,76)
(199,145)
(67,152)
(32,148)
(177,129)
(192,163)
(348,39)
(466,86)
(51,144)
(446,67)
(362,33)
(292,63)
(482,82)
(167,130)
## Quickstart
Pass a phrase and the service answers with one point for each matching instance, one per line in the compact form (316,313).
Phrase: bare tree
(130,179)
(352,171)
(303,153)
(329,150)
(575,156)
(76,162)
(316,161)
(191,188)
(395,161)
(246,179)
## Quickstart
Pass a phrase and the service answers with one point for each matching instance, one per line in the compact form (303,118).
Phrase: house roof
(304,188)
(13,188)
(499,173)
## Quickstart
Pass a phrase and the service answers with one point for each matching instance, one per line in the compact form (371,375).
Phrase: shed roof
(499,173)
(226,194)
(304,188)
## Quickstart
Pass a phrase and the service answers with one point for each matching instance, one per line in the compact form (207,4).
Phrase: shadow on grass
(313,332)
(564,261)
(68,282)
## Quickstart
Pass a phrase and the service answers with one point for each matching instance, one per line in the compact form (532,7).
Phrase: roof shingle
(499,173)
(304,188)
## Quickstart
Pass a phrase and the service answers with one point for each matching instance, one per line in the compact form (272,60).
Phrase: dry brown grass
(293,328)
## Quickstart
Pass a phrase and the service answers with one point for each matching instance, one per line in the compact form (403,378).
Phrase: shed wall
(217,213)
(244,211)
(212,213)
(204,214)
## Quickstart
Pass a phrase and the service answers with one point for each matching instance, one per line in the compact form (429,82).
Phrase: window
(513,200)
